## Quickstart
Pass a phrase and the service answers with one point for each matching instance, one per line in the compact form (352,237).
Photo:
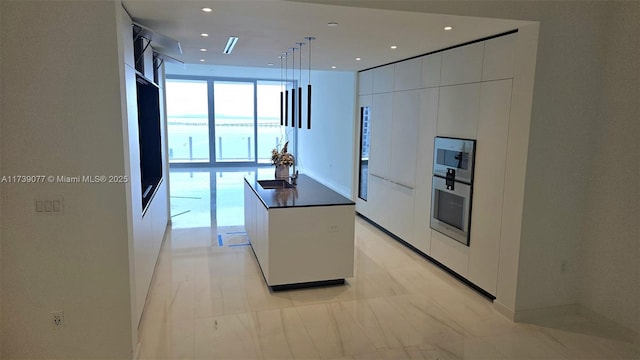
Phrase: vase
(282,171)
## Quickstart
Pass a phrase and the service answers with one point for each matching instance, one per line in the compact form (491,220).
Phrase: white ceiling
(267,28)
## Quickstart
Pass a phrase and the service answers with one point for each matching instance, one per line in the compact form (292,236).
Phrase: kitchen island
(303,235)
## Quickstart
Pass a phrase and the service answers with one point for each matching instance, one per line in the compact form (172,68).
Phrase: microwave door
(451,209)
(455,155)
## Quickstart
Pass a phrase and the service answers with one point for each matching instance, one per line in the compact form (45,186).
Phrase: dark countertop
(306,193)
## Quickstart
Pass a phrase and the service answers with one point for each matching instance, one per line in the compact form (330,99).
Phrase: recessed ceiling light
(201,60)
(203,49)
(332,24)
(333,67)
(204,34)
(447,28)
(394,47)
(358,59)
(206,9)
(270,64)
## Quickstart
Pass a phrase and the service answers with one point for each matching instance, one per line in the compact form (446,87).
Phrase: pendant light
(286,92)
(281,57)
(300,87)
(293,89)
(309,39)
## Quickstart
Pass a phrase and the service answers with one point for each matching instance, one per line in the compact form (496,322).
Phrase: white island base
(300,246)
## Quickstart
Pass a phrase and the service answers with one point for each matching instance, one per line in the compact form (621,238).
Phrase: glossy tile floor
(208,300)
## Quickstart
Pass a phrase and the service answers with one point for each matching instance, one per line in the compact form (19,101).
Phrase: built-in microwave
(454,158)
(451,209)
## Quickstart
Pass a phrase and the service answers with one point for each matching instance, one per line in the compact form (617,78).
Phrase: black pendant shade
(299,107)
(293,107)
(309,106)
(281,108)
(286,106)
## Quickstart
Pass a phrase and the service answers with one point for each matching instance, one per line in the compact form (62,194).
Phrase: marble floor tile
(208,300)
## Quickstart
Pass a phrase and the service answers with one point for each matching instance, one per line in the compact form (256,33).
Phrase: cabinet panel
(458,111)
(381,126)
(491,153)
(407,75)
(383,79)
(399,211)
(498,58)
(365,82)
(404,137)
(431,70)
(424,166)
(449,252)
(462,65)
(379,195)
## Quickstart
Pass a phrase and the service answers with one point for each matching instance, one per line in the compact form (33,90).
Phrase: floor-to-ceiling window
(188,120)
(217,121)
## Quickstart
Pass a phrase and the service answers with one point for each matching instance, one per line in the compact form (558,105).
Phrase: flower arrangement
(282,157)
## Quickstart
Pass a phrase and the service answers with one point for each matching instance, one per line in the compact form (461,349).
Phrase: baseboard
(619,331)
(552,314)
(532,315)
(504,310)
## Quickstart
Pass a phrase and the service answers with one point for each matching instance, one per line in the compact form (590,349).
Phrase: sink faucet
(294,178)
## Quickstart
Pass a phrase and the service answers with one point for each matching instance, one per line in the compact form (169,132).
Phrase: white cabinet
(404,137)
(498,58)
(365,82)
(491,154)
(381,126)
(462,65)
(449,252)
(424,166)
(431,65)
(295,245)
(378,198)
(407,75)
(458,111)
(383,79)
(399,211)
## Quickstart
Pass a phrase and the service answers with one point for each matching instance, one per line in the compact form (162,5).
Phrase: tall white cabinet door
(498,58)
(398,210)
(462,65)
(404,137)
(407,75)
(383,79)
(431,65)
(380,151)
(365,82)
(491,154)
(424,167)
(458,111)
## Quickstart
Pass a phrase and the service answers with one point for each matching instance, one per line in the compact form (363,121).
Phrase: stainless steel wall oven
(452,187)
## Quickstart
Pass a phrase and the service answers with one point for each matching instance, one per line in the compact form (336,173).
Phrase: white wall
(610,238)
(61,115)
(326,152)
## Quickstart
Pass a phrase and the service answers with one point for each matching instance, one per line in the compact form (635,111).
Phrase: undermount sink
(275,184)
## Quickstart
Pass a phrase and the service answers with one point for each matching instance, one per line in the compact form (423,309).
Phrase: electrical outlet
(57,319)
